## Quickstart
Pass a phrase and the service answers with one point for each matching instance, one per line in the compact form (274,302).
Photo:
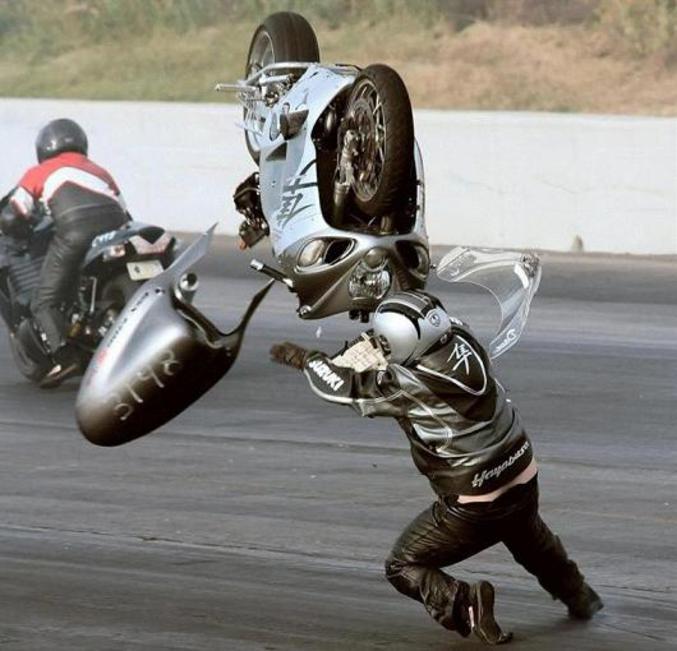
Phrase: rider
(467,438)
(84,201)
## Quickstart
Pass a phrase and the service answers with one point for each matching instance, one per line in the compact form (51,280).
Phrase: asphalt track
(260,517)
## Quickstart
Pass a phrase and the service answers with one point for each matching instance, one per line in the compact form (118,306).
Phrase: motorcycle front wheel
(379,111)
(283,36)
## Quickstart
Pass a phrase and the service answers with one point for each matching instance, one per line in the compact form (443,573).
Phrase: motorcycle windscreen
(159,357)
(511,277)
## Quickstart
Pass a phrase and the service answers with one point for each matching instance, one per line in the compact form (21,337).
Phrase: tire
(30,369)
(284,36)
(387,139)
(118,290)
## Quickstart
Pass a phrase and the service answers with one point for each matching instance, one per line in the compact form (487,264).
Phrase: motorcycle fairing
(289,194)
(511,277)
(120,236)
(292,206)
(159,357)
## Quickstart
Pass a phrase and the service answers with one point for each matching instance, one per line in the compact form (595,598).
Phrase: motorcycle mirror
(159,357)
(291,123)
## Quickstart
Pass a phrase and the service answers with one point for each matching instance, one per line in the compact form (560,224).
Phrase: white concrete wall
(493,179)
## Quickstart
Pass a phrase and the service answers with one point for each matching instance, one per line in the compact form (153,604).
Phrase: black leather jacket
(465,435)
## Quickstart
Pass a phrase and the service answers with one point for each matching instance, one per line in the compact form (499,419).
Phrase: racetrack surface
(260,518)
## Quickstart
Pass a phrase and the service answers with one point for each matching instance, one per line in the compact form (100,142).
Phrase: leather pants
(58,279)
(448,532)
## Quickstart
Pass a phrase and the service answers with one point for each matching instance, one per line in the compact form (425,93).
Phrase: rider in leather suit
(84,201)
(467,438)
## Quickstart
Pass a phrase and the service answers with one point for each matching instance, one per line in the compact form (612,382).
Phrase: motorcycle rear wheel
(117,292)
(283,36)
(379,110)
(31,370)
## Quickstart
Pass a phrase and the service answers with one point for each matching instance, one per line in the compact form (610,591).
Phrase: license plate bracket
(144,269)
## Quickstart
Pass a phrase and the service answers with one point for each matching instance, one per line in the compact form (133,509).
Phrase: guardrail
(524,180)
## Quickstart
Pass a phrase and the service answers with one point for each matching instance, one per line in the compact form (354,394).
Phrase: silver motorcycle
(340,187)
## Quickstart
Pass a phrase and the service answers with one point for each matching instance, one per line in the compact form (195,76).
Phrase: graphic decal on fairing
(292,195)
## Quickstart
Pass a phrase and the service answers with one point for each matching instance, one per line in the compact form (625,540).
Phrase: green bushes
(644,26)
(57,25)
(465,53)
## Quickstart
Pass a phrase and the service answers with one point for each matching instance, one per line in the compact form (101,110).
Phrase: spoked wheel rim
(368,119)
(261,54)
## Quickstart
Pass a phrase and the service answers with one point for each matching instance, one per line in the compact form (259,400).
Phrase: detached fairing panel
(161,355)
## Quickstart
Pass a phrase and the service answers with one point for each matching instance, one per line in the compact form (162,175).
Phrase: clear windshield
(511,277)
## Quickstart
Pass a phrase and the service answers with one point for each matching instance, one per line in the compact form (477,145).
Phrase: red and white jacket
(65,183)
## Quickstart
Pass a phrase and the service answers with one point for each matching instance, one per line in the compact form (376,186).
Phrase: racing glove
(15,225)
(289,354)
(247,199)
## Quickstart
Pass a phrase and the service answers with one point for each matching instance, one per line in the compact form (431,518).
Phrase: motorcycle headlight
(311,253)
(369,283)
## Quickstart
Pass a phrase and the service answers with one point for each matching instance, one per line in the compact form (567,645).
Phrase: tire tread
(399,139)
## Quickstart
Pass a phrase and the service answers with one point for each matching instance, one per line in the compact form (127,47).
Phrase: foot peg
(273,273)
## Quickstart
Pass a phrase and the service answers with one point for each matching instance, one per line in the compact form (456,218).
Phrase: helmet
(59,136)
(411,322)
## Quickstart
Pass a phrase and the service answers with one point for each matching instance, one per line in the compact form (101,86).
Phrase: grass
(608,56)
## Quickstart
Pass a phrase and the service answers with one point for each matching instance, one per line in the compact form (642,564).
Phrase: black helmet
(59,136)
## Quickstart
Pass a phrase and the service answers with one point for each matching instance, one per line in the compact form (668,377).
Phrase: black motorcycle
(117,263)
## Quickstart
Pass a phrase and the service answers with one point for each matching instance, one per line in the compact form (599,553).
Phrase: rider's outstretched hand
(289,354)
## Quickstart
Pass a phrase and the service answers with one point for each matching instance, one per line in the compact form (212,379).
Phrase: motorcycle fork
(345,176)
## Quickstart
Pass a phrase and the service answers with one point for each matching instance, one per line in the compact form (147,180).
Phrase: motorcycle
(115,265)
(340,186)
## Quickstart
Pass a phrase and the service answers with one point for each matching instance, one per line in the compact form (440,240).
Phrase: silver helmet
(411,323)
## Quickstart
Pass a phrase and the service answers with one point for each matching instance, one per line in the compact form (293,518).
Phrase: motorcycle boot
(481,612)
(66,365)
(65,361)
(584,603)
(461,610)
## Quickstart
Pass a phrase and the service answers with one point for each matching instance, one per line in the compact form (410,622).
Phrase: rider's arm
(18,213)
(369,393)
(23,204)
(24,201)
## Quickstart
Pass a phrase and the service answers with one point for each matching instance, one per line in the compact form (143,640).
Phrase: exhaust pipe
(186,287)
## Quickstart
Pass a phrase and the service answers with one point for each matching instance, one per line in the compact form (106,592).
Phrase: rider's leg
(57,277)
(436,539)
(72,238)
(535,547)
